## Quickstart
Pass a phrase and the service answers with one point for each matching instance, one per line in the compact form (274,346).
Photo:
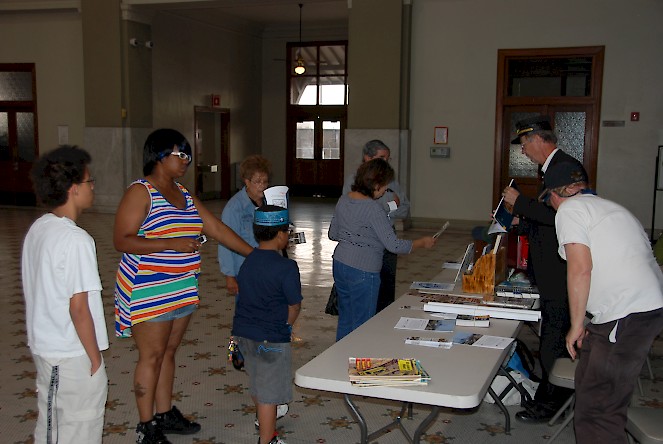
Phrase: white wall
(453,83)
(53,41)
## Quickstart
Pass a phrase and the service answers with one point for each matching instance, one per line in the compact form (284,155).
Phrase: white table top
(460,376)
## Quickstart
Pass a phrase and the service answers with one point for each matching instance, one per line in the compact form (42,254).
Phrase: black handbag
(332,303)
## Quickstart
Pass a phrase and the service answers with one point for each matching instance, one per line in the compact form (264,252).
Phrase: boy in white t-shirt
(64,313)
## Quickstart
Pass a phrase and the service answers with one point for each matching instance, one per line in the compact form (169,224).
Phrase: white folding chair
(645,425)
(563,375)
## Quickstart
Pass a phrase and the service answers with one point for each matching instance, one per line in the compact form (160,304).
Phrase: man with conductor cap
(612,275)
(539,143)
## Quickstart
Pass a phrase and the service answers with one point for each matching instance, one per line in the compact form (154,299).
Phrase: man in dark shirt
(539,143)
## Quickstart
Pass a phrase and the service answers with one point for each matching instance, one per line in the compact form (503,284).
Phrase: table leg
(500,404)
(425,423)
(406,407)
(360,419)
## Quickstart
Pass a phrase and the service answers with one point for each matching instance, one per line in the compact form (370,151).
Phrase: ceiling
(261,13)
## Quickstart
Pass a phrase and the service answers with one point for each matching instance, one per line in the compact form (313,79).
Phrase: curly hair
(55,172)
(254,164)
(160,144)
(372,175)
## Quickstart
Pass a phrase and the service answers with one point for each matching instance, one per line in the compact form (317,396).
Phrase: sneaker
(150,433)
(281,411)
(174,422)
(275,439)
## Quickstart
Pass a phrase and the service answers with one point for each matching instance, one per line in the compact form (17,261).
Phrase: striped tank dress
(149,285)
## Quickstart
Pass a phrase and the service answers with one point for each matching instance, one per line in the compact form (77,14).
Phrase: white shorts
(71,402)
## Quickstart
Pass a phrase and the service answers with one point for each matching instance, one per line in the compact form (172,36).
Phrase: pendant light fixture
(300,68)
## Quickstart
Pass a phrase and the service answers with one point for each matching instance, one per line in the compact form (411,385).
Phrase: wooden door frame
(590,157)
(21,190)
(224,116)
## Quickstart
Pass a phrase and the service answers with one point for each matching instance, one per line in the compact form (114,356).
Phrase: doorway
(316,118)
(562,83)
(212,153)
(18,132)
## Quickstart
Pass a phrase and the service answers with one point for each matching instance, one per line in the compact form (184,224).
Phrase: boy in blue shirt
(267,305)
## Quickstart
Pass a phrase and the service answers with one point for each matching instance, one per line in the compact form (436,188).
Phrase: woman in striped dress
(157,227)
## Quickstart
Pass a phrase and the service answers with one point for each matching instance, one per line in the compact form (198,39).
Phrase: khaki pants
(71,402)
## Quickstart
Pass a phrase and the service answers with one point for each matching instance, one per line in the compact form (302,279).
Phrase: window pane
(16,85)
(331,140)
(25,123)
(519,164)
(305,139)
(303,91)
(570,130)
(550,77)
(332,60)
(332,90)
(5,152)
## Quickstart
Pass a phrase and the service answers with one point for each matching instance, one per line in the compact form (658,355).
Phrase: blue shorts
(175,314)
(268,365)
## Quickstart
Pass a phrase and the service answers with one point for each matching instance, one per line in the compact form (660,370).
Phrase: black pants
(606,375)
(387,280)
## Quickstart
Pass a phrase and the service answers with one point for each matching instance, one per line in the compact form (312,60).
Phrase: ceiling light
(300,68)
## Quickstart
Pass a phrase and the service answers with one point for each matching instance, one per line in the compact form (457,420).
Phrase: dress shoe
(536,414)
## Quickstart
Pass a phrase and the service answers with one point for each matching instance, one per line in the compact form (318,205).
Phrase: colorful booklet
(372,372)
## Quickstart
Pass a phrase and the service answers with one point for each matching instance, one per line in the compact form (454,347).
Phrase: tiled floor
(208,388)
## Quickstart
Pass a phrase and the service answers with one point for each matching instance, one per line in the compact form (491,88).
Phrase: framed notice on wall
(659,169)
(441,135)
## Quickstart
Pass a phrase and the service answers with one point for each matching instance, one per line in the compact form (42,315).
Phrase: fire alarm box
(216,100)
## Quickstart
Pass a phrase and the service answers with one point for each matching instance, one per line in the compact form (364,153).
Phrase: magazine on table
(478,340)
(370,372)
(432,287)
(428,342)
(479,307)
(465,320)
(442,325)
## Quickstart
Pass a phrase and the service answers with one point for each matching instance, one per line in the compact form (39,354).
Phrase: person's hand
(184,244)
(428,241)
(574,339)
(510,195)
(96,365)
(231,285)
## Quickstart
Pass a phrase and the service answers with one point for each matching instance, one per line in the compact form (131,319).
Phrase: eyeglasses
(181,155)
(259,183)
(91,180)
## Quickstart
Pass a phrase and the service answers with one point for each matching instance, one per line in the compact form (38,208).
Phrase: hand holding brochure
(502,217)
